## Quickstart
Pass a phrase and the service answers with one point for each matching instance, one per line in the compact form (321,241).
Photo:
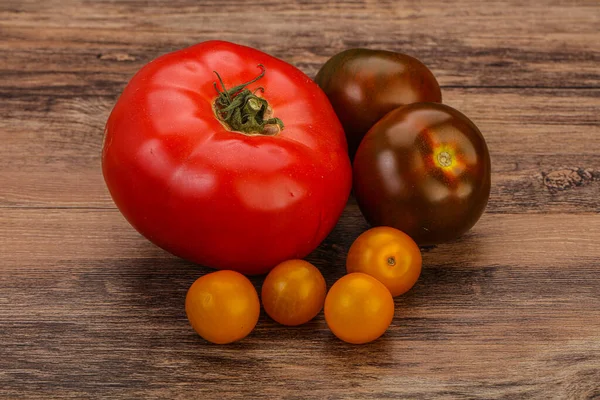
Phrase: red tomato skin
(216,197)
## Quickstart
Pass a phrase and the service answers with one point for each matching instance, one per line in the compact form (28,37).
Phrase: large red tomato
(225,174)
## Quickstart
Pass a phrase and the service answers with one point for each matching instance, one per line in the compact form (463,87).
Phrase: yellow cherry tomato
(222,306)
(358,308)
(294,292)
(388,255)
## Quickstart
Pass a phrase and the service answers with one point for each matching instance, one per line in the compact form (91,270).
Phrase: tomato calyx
(241,110)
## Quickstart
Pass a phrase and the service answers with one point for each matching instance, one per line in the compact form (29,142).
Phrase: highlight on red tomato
(294,292)
(388,255)
(222,306)
(358,308)
(363,85)
(228,157)
(424,169)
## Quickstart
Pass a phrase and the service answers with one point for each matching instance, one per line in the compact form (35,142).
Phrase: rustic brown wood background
(89,308)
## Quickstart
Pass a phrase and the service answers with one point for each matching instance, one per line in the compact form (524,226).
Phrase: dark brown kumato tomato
(363,85)
(423,169)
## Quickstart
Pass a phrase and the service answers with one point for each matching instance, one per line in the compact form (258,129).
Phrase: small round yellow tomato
(358,308)
(388,255)
(222,306)
(294,292)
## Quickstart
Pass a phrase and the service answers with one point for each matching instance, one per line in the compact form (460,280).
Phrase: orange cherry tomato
(358,308)
(388,255)
(222,306)
(294,292)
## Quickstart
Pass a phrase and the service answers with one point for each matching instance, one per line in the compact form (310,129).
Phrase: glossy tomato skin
(423,169)
(222,306)
(358,308)
(294,292)
(216,197)
(388,255)
(363,85)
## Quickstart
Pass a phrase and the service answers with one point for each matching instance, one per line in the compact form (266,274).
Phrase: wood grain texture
(481,320)
(90,309)
(536,141)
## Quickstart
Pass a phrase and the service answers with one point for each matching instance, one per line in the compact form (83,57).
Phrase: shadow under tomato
(352,360)
(152,289)
(330,256)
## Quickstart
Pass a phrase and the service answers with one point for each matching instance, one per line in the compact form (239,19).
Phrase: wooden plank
(538,122)
(545,158)
(101,310)
(521,184)
(560,239)
(90,46)
(540,184)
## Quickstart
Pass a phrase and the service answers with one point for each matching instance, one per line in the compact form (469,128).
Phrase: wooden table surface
(89,308)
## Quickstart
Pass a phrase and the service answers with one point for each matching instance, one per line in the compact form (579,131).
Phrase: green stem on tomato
(243,111)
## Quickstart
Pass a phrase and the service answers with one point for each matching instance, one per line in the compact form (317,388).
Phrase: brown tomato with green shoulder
(423,169)
(363,85)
